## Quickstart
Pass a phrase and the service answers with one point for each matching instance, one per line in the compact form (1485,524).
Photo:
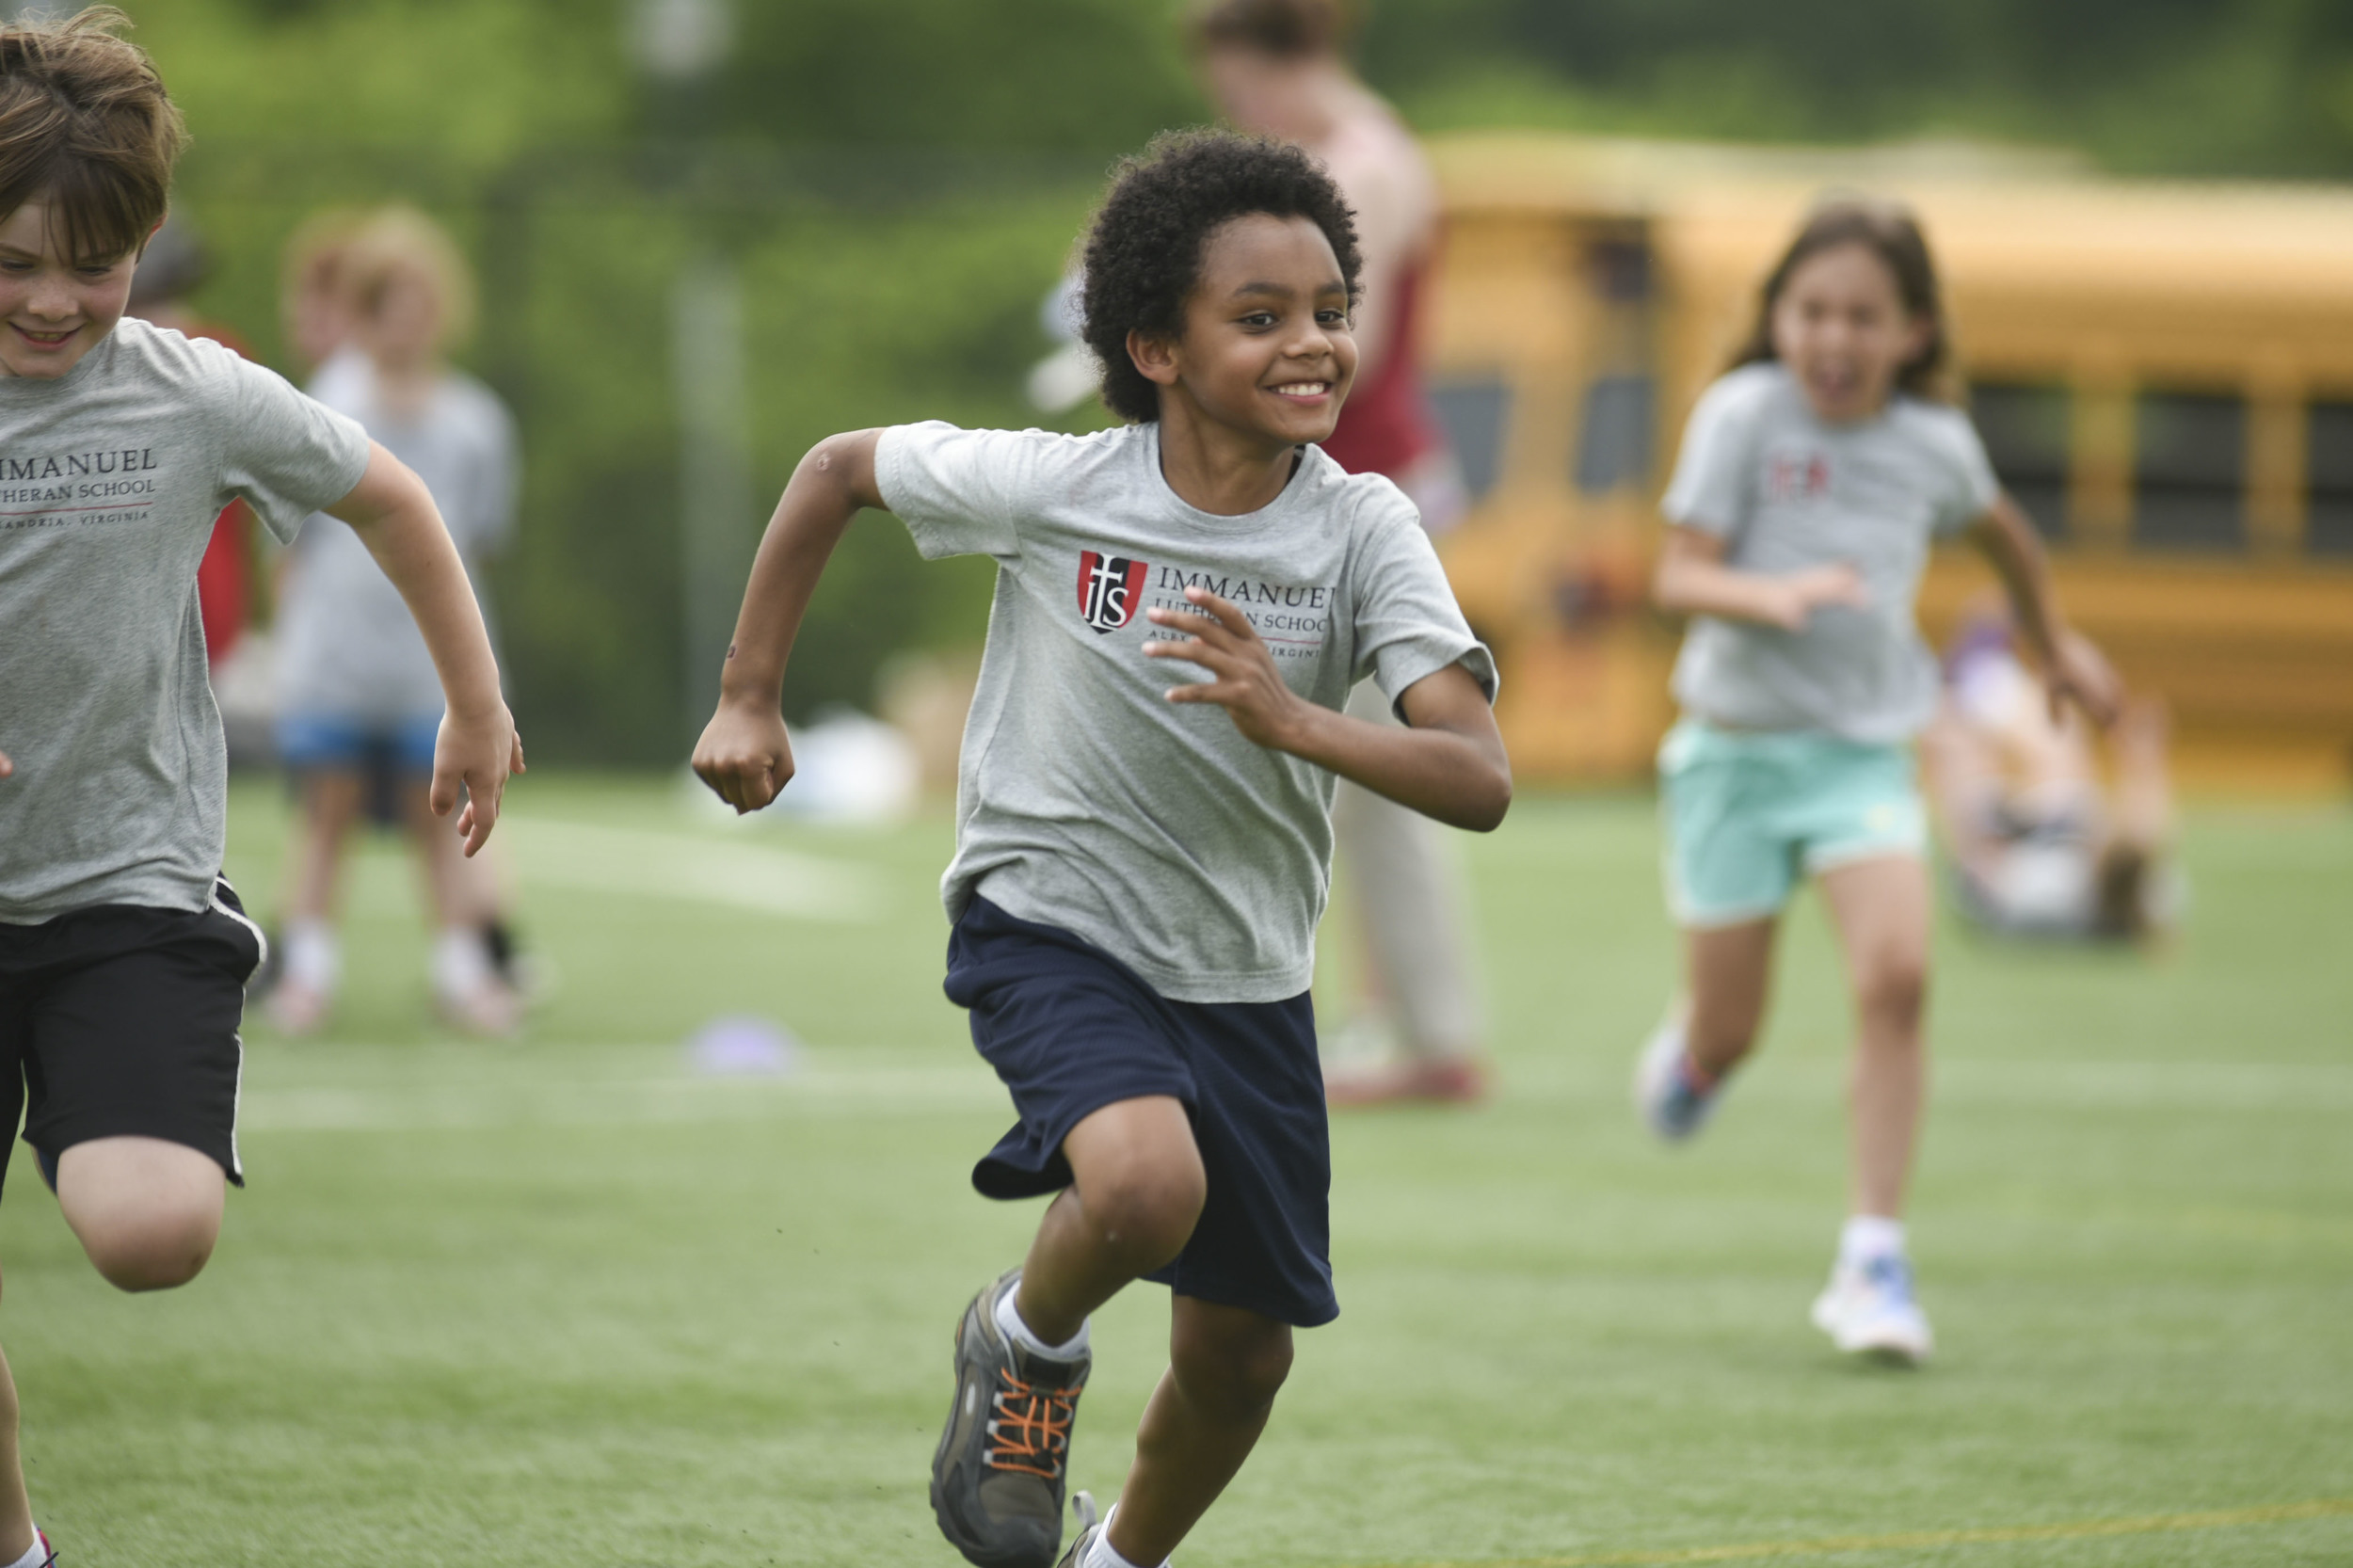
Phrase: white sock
(1101,1553)
(461,960)
(1869,1236)
(1009,1323)
(314,958)
(34,1556)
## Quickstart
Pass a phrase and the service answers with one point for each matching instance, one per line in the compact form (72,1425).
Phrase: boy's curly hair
(1143,253)
(85,124)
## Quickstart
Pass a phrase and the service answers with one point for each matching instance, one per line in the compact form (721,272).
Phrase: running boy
(122,953)
(1137,875)
(1812,479)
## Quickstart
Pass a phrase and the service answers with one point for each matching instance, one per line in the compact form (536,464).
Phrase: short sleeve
(956,490)
(286,454)
(1408,626)
(1975,487)
(501,479)
(1711,490)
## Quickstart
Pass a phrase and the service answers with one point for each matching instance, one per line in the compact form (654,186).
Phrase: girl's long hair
(1889,231)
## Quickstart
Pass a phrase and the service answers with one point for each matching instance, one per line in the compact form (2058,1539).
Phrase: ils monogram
(1110,589)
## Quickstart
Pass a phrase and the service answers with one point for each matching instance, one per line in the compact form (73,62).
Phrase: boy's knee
(165,1246)
(146,1211)
(1233,1372)
(1146,1209)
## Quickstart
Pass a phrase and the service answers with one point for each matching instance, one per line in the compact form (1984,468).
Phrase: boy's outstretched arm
(1450,763)
(744,754)
(393,514)
(2072,667)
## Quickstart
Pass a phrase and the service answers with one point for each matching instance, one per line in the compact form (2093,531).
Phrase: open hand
(2081,674)
(1245,681)
(1801,593)
(744,754)
(475,754)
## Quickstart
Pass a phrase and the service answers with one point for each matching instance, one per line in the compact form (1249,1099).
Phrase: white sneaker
(1665,1090)
(1870,1309)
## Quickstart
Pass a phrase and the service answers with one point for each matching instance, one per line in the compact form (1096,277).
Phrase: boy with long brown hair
(124,953)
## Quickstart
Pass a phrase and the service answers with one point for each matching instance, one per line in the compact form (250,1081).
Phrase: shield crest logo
(1109,588)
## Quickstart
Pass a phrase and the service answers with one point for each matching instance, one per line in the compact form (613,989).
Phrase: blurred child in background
(1811,480)
(2040,849)
(173,267)
(1275,67)
(358,699)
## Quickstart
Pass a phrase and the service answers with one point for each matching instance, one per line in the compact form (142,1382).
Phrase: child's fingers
(1190,622)
(1227,615)
(6,767)
(442,797)
(515,759)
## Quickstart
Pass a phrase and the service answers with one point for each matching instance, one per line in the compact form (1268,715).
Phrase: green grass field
(568,1302)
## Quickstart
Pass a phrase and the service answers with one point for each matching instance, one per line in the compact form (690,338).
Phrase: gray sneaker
(997,1479)
(1089,1528)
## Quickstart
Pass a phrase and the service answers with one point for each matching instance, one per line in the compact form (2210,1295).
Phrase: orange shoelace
(1031,1431)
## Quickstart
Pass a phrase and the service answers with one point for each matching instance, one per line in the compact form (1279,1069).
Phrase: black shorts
(1071,1030)
(121,1020)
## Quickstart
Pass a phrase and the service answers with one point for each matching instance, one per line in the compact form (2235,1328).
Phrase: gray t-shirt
(1786,491)
(1086,799)
(110,478)
(346,645)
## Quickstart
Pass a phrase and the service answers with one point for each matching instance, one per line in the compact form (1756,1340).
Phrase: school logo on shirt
(1797,476)
(1110,589)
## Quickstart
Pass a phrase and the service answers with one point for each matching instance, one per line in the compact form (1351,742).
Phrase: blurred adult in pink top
(1275,67)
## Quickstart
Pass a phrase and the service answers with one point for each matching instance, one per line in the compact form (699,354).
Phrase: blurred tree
(906,178)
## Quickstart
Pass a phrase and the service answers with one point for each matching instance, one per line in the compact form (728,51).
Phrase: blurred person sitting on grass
(1137,875)
(124,953)
(1276,67)
(358,704)
(2040,849)
(1813,476)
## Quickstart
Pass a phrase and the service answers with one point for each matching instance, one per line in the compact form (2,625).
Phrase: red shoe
(1446,1081)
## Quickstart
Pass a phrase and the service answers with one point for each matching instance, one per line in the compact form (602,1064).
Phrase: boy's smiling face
(52,309)
(1265,350)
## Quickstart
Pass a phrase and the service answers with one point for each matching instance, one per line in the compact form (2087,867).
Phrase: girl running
(1811,480)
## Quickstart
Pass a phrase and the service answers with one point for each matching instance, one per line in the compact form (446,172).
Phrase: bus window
(2328,441)
(1614,447)
(1475,414)
(2023,426)
(2190,472)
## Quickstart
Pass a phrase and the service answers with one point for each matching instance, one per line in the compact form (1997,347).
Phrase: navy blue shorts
(1071,1030)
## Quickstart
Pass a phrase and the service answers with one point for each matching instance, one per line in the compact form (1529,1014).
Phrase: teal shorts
(1749,813)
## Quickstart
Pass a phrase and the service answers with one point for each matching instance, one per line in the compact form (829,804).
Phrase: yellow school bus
(2163,375)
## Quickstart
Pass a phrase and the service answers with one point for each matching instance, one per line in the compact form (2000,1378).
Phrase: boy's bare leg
(1880,909)
(1729,969)
(16,1508)
(1137,1194)
(1225,1366)
(146,1211)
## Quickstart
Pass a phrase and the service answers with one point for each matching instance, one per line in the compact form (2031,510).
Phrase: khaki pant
(1405,883)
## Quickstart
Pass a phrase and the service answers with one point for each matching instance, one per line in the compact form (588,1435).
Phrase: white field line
(956,1087)
(624,1102)
(633,863)
(2020,1083)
